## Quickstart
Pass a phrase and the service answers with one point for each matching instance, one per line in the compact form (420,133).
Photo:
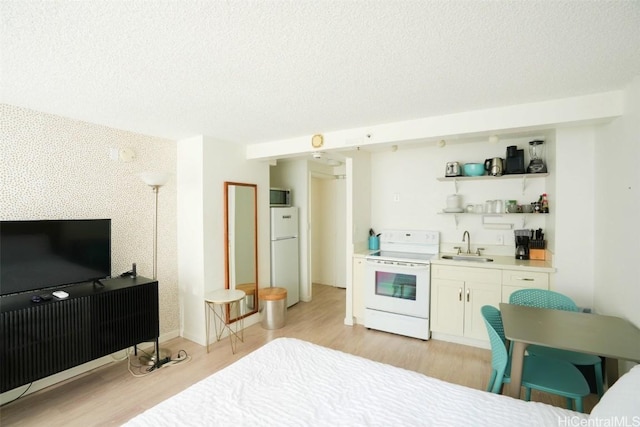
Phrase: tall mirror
(241,240)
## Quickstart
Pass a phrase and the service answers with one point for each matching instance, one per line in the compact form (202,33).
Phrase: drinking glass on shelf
(490,206)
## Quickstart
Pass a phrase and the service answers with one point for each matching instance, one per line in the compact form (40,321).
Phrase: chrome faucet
(466,233)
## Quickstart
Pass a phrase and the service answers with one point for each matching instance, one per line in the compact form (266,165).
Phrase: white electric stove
(397,283)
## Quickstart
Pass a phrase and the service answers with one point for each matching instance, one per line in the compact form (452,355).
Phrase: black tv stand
(40,339)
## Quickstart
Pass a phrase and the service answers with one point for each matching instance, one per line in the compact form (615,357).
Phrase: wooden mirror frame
(251,291)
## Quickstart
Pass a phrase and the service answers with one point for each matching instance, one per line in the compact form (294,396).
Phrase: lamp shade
(155,179)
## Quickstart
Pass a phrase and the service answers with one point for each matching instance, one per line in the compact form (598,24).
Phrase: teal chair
(554,300)
(548,375)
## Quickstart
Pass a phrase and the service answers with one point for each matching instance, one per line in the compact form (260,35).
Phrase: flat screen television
(43,254)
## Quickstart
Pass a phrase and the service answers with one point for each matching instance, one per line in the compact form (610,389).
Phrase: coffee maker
(522,247)
(514,162)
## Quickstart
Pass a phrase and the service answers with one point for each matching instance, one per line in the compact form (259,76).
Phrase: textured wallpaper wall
(53,167)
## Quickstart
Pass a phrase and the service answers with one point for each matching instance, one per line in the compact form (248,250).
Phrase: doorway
(328,230)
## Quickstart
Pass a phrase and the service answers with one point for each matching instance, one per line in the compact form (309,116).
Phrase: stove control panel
(418,241)
(411,236)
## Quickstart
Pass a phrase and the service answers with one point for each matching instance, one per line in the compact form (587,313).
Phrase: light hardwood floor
(110,395)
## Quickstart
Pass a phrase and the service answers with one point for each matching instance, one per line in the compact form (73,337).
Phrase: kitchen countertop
(499,262)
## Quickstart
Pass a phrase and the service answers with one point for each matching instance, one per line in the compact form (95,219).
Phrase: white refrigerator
(284,252)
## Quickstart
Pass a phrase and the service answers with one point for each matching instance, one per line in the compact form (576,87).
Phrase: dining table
(611,337)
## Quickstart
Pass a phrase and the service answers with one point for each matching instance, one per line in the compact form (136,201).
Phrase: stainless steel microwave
(280,197)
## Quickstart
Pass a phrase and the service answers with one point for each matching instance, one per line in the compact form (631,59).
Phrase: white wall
(322,228)
(191,224)
(360,180)
(358,220)
(507,119)
(204,164)
(419,195)
(327,216)
(575,217)
(617,204)
(405,193)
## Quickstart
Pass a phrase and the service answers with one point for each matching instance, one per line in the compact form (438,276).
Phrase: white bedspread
(296,383)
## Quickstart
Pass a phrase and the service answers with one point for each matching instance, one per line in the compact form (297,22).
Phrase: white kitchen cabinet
(514,280)
(457,294)
(358,288)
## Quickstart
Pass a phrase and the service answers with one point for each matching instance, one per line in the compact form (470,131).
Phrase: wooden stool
(274,307)
(250,290)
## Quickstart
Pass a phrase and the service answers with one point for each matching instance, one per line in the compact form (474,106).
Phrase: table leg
(218,318)
(232,333)
(242,308)
(611,371)
(207,316)
(517,362)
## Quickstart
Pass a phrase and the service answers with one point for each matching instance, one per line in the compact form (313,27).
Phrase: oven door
(397,287)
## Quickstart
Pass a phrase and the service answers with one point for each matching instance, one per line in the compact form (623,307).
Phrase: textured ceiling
(254,71)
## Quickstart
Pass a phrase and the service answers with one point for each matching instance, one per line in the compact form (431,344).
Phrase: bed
(294,382)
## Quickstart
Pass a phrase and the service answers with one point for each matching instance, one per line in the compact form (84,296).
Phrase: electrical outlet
(500,239)
(396,197)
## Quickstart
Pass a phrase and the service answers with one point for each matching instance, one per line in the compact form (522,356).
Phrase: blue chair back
(543,298)
(499,356)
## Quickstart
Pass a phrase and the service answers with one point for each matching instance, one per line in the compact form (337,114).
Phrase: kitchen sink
(476,258)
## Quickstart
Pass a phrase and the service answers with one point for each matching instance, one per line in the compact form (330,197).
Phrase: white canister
(454,201)
(499,205)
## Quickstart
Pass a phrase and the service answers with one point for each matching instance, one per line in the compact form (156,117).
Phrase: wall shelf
(523,177)
(486,224)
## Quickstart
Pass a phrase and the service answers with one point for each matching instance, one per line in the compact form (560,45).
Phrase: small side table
(216,302)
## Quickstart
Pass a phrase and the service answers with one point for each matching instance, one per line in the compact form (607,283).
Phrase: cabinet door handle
(526,279)
(460,294)
(468,292)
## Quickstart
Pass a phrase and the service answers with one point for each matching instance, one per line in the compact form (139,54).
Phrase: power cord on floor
(181,358)
(144,370)
(21,394)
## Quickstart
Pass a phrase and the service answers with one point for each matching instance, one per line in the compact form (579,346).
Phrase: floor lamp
(155,180)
